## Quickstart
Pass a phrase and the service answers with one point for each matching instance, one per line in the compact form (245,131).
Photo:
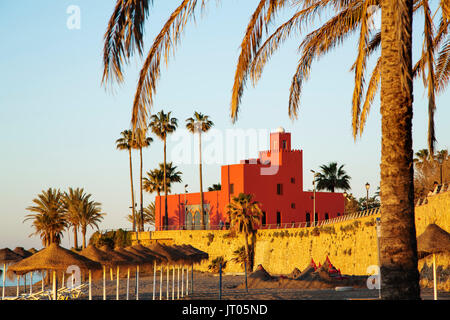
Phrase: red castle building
(276,181)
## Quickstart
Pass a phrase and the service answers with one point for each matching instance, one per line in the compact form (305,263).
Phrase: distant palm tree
(215,187)
(142,141)
(198,124)
(154,182)
(126,142)
(422,155)
(90,215)
(148,216)
(245,214)
(332,177)
(162,124)
(49,219)
(73,205)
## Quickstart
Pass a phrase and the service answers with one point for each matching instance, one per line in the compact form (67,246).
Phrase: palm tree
(90,215)
(49,219)
(73,204)
(162,124)
(148,216)
(332,178)
(245,214)
(198,124)
(215,187)
(126,142)
(142,141)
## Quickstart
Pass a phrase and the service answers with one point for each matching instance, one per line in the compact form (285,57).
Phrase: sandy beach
(206,287)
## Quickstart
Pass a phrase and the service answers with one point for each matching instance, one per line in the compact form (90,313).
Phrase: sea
(13,282)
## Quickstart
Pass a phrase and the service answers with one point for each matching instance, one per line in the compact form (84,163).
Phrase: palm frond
(123,36)
(319,42)
(250,44)
(372,89)
(165,41)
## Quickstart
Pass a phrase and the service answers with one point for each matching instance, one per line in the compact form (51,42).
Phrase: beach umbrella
(24,254)
(32,250)
(134,259)
(54,258)
(118,259)
(193,253)
(95,254)
(7,256)
(433,240)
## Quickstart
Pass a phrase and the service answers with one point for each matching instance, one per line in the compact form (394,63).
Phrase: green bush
(117,238)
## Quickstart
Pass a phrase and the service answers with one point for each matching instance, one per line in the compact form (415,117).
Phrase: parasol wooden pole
(55,286)
(167,282)
(117,284)
(128,284)
(3,281)
(192,278)
(104,283)
(111,273)
(187,280)
(173,282)
(42,281)
(434,276)
(160,281)
(31,282)
(62,284)
(17,279)
(137,282)
(178,283)
(90,285)
(154,279)
(24,283)
(182,281)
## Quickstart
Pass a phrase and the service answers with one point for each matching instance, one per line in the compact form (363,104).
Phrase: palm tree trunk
(83,231)
(398,247)
(142,196)
(75,237)
(202,211)
(166,216)
(247,252)
(132,192)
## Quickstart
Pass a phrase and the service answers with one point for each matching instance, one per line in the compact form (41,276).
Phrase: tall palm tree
(162,124)
(127,142)
(245,214)
(154,182)
(142,141)
(49,219)
(90,215)
(332,177)
(198,124)
(73,205)
(393,69)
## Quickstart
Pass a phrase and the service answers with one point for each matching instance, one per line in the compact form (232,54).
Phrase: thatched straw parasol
(7,256)
(54,258)
(173,255)
(433,240)
(91,252)
(140,248)
(22,252)
(194,254)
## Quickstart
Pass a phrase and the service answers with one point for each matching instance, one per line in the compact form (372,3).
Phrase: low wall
(351,245)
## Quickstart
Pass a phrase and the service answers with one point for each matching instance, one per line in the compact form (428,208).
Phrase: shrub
(215,264)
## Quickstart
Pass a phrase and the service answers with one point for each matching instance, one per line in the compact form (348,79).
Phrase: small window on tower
(279,189)
(292,180)
(231,188)
(293,205)
(284,145)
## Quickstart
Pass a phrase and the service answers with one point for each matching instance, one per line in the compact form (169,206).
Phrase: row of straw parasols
(93,260)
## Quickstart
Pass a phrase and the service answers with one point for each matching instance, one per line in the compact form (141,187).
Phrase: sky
(59,124)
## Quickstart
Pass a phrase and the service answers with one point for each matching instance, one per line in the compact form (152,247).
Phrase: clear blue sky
(58,124)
